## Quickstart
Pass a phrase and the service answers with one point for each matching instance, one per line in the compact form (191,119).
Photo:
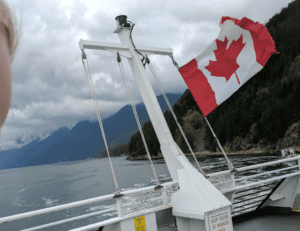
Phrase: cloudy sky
(50,89)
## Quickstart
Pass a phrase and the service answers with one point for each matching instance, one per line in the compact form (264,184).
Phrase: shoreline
(217,154)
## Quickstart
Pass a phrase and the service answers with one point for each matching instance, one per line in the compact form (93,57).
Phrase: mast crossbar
(154,50)
(123,49)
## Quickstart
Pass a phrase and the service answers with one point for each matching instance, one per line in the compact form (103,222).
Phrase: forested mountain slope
(263,114)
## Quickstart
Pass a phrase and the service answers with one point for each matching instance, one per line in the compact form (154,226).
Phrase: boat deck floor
(168,228)
(261,223)
(270,223)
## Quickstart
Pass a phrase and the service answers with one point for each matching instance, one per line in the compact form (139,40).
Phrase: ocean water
(38,187)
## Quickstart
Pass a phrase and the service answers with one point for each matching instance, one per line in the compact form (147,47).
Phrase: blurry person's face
(6,38)
(5,75)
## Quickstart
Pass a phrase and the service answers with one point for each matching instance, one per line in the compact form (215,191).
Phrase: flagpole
(230,165)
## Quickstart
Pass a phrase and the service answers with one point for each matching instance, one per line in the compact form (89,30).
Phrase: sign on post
(220,221)
(140,223)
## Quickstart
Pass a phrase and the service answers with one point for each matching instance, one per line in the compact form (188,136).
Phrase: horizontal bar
(268,172)
(269,180)
(162,197)
(268,163)
(86,44)
(98,224)
(248,204)
(256,188)
(245,209)
(249,198)
(75,204)
(253,193)
(256,166)
(125,193)
(70,219)
(155,50)
(55,209)
(117,48)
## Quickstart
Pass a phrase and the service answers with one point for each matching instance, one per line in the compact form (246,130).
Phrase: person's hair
(8,20)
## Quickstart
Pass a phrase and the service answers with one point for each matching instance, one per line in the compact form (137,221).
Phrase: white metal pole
(149,98)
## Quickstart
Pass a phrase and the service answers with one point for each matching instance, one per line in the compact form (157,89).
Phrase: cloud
(50,89)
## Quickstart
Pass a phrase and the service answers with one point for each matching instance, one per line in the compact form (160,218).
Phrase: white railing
(144,200)
(55,209)
(265,173)
(267,181)
(225,181)
(132,203)
(70,219)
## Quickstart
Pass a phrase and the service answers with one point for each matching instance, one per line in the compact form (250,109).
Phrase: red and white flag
(242,49)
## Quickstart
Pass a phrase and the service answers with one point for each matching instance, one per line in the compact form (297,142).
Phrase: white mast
(169,148)
(197,200)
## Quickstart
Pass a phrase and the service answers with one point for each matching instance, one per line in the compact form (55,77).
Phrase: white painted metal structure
(205,197)
(196,202)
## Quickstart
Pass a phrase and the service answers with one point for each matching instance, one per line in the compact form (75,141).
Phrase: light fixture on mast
(122,21)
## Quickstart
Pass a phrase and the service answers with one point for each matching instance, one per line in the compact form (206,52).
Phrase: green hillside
(263,114)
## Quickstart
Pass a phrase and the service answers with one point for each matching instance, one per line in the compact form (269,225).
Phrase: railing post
(232,178)
(164,195)
(119,207)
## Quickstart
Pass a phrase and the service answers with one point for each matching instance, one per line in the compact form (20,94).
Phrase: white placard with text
(220,221)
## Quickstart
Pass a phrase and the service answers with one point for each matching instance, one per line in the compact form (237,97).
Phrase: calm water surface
(31,188)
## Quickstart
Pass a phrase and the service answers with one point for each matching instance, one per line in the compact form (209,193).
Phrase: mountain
(10,157)
(264,114)
(83,141)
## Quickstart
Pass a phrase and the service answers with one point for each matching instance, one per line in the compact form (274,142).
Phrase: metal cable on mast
(174,62)
(158,186)
(171,109)
(230,165)
(92,90)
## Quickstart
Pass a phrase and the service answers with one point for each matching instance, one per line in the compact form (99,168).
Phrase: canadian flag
(242,49)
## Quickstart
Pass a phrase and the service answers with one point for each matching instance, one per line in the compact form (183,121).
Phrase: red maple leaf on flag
(226,63)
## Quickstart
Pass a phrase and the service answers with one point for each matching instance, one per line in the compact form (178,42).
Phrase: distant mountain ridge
(83,141)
